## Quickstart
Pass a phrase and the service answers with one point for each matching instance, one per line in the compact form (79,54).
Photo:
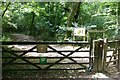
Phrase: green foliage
(5,38)
(50,17)
(102,15)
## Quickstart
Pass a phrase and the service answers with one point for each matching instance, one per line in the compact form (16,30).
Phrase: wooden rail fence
(112,60)
(106,52)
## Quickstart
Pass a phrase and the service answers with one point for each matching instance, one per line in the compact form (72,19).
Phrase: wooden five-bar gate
(97,58)
(15,55)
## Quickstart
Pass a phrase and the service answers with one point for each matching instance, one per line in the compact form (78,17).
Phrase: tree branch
(5,9)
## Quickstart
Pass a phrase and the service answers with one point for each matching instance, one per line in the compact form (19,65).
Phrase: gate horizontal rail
(34,43)
(44,64)
(47,51)
(47,57)
(42,69)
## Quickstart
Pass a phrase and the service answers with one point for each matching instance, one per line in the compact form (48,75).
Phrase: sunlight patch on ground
(99,75)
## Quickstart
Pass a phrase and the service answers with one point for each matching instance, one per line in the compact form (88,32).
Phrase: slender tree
(119,20)
(5,9)
(32,28)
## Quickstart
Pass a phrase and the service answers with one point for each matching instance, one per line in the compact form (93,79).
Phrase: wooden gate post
(95,62)
(98,54)
(91,52)
(105,53)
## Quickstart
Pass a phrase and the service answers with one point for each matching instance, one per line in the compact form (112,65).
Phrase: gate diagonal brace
(20,57)
(65,56)
(114,52)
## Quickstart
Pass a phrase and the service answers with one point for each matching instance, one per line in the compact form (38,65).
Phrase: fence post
(119,56)
(105,53)
(91,51)
(95,64)
(100,55)
(115,53)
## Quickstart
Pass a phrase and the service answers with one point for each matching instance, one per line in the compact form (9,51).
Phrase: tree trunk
(74,13)
(32,28)
(119,20)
